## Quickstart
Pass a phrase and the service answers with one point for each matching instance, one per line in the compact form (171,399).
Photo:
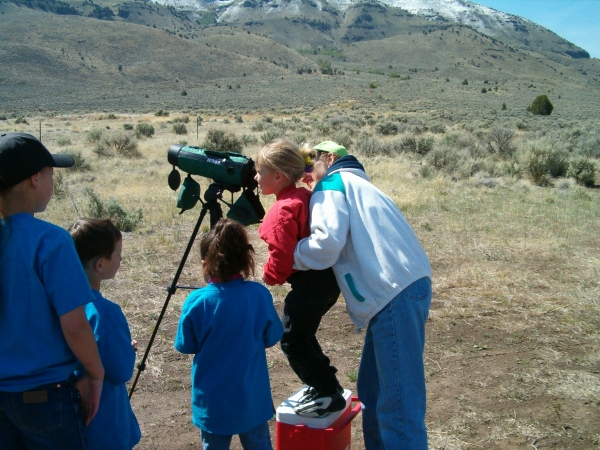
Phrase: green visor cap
(331,147)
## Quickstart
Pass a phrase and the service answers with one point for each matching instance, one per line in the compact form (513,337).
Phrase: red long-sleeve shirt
(284,225)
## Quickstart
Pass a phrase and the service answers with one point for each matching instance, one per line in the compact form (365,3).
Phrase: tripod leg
(171,290)
(216,214)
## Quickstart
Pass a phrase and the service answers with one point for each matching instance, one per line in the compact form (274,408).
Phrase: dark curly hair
(226,251)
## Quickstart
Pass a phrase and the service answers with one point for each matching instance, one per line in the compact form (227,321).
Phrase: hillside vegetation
(56,62)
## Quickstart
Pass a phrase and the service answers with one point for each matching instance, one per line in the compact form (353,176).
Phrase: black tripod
(210,204)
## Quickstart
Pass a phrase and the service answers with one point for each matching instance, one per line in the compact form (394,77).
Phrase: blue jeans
(258,438)
(48,417)
(391,377)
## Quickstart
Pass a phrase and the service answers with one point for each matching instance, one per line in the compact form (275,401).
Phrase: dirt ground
(477,395)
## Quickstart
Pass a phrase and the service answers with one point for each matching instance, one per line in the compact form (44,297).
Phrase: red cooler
(333,432)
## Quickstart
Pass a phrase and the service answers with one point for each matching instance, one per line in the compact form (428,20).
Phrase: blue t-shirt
(40,280)
(114,427)
(227,327)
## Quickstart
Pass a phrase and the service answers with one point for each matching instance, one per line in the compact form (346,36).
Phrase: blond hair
(284,156)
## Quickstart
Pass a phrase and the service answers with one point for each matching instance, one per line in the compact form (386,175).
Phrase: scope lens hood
(173,154)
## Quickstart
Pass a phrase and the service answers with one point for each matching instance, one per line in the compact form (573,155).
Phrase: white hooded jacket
(361,233)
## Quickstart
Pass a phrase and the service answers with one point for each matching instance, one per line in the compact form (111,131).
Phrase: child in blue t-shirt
(99,245)
(227,326)
(43,327)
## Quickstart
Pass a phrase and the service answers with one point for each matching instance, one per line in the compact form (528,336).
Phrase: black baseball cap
(22,155)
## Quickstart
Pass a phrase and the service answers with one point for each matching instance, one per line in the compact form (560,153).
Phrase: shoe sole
(321,408)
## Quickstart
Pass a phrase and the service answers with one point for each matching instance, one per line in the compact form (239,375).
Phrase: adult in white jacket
(385,277)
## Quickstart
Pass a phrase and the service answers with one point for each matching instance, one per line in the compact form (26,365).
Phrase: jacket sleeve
(185,339)
(329,228)
(281,242)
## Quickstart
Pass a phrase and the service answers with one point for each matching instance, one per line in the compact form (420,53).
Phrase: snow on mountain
(482,18)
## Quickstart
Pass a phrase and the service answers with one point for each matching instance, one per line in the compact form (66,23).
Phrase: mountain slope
(157,57)
(512,30)
(82,49)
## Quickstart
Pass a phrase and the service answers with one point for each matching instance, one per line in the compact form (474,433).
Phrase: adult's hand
(89,390)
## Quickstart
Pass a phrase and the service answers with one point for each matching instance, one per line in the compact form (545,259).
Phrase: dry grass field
(513,339)
(506,203)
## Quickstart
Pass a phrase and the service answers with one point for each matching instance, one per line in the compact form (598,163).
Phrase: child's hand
(89,391)
(308,180)
(134,345)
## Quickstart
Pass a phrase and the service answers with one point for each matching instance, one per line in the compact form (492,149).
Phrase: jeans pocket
(419,290)
(44,414)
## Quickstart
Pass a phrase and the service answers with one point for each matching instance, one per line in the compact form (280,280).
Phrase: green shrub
(60,189)
(144,129)
(541,163)
(465,82)
(101,150)
(387,128)
(94,135)
(161,113)
(338,122)
(119,143)
(343,139)
(182,119)
(557,162)
(298,138)
(323,128)
(521,126)
(408,145)
(583,171)
(128,126)
(424,145)
(238,119)
(500,141)
(420,146)
(80,163)
(589,147)
(444,158)
(259,126)
(111,117)
(21,119)
(270,135)
(221,141)
(179,128)
(124,144)
(372,147)
(249,139)
(438,128)
(63,141)
(541,106)
(110,209)
(463,141)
